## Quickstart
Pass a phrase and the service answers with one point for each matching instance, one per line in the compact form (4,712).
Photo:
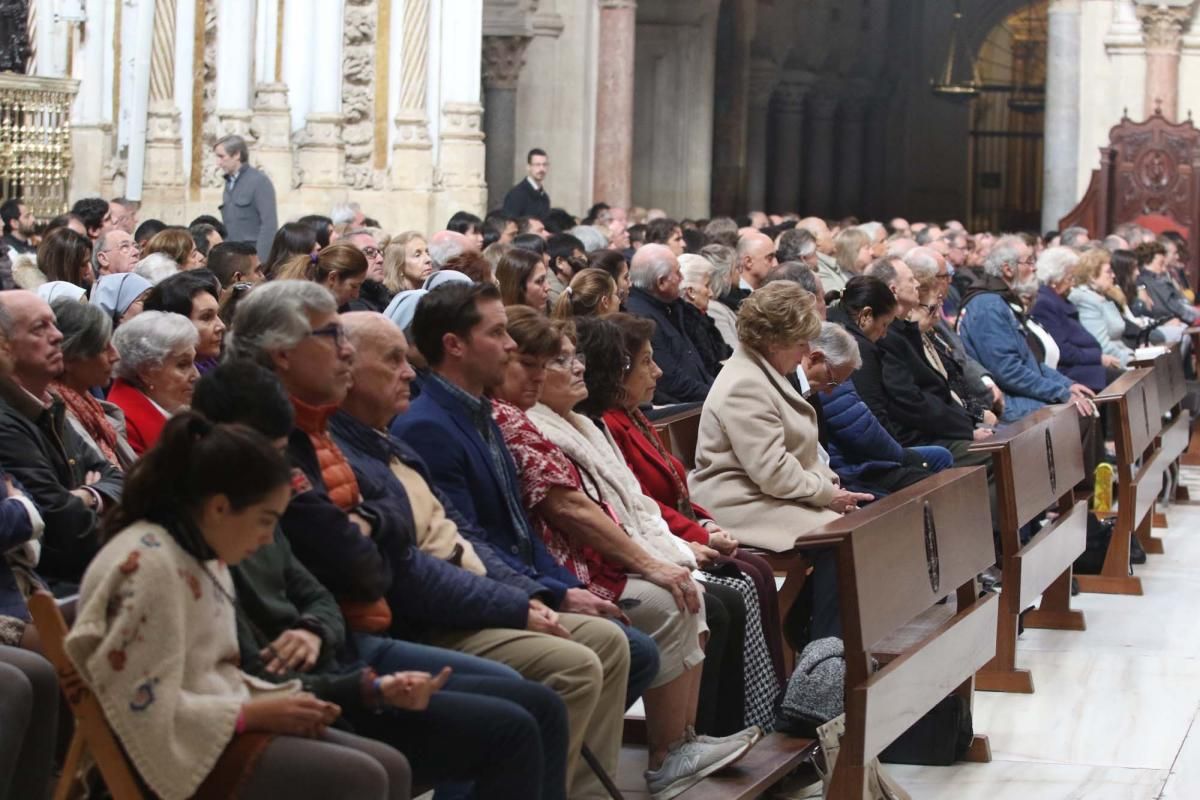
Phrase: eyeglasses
(332,331)
(942,276)
(564,362)
(931,309)
(831,381)
(371,252)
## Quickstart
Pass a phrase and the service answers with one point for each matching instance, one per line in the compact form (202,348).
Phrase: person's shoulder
(142,547)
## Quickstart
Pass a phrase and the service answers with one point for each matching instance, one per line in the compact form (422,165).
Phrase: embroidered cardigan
(156,641)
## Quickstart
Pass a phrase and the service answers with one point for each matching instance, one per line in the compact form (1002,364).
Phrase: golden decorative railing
(35,141)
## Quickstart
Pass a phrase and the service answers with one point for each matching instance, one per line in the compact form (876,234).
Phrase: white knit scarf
(596,454)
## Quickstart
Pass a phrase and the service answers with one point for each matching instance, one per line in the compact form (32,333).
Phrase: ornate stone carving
(1163,27)
(461,121)
(211,128)
(162,51)
(358,93)
(503,58)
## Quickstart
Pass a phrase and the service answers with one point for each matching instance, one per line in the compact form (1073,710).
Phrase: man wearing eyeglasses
(116,252)
(373,295)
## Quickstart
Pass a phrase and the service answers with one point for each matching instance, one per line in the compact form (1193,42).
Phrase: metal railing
(35,141)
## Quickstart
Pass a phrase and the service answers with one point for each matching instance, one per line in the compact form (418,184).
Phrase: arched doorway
(1007,124)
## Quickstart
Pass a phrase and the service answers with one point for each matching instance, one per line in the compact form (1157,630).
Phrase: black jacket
(373,296)
(702,332)
(918,397)
(523,200)
(685,379)
(734,297)
(43,451)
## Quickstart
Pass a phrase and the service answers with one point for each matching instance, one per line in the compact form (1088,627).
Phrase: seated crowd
(386,512)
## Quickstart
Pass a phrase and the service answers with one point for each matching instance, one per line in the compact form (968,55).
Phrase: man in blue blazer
(461,330)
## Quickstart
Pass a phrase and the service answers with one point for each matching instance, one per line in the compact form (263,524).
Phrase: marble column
(164,145)
(789,145)
(1061,159)
(412,151)
(822,113)
(235,60)
(613,165)
(762,85)
(460,150)
(91,131)
(1163,27)
(851,152)
(320,151)
(503,58)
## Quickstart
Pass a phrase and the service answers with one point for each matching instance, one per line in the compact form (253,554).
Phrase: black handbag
(938,739)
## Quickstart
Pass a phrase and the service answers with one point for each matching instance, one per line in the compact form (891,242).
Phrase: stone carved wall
(358,94)
(210,173)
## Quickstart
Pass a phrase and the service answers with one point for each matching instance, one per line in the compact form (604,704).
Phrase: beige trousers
(589,672)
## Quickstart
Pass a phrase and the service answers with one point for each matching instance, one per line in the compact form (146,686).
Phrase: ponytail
(192,461)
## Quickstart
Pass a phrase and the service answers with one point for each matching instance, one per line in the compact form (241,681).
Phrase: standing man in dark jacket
(248,204)
(528,198)
(71,483)
(655,296)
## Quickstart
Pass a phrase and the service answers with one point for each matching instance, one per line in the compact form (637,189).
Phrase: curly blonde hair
(1090,263)
(779,314)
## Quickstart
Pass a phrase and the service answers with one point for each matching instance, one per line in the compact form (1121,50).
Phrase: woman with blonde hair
(592,293)
(341,268)
(852,252)
(1094,283)
(178,245)
(406,262)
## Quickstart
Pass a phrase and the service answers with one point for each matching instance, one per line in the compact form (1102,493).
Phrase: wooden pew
(1176,434)
(1132,400)
(897,558)
(679,433)
(1036,463)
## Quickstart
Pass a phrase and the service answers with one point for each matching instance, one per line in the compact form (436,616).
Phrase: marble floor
(1116,711)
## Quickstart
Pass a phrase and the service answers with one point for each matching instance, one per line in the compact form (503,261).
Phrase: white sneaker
(752,734)
(690,762)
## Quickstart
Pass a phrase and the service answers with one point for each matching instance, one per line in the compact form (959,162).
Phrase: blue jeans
(938,458)
(488,725)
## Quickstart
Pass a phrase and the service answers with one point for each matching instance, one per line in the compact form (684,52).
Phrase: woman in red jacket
(617,397)
(156,373)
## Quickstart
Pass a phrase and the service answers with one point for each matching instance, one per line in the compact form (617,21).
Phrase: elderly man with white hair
(444,246)
(1081,357)
(992,326)
(656,296)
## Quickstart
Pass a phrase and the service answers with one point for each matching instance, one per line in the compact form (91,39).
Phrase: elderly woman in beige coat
(760,469)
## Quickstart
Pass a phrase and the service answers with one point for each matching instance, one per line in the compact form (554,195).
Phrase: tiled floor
(1116,712)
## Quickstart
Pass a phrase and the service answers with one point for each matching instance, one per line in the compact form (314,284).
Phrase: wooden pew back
(1135,397)
(1037,462)
(1169,378)
(679,433)
(897,559)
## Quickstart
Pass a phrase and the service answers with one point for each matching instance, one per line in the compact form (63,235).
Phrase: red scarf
(90,414)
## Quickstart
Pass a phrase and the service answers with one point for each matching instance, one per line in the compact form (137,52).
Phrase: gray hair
(86,329)
(698,270)
(149,339)
(724,258)
(883,269)
(443,251)
(97,250)
(276,317)
(645,273)
(797,272)
(592,237)
(923,262)
(838,346)
(1054,264)
(1113,243)
(873,229)
(235,146)
(344,213)
(156,267)
(1005,252)
(1073,237)
(794,244)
